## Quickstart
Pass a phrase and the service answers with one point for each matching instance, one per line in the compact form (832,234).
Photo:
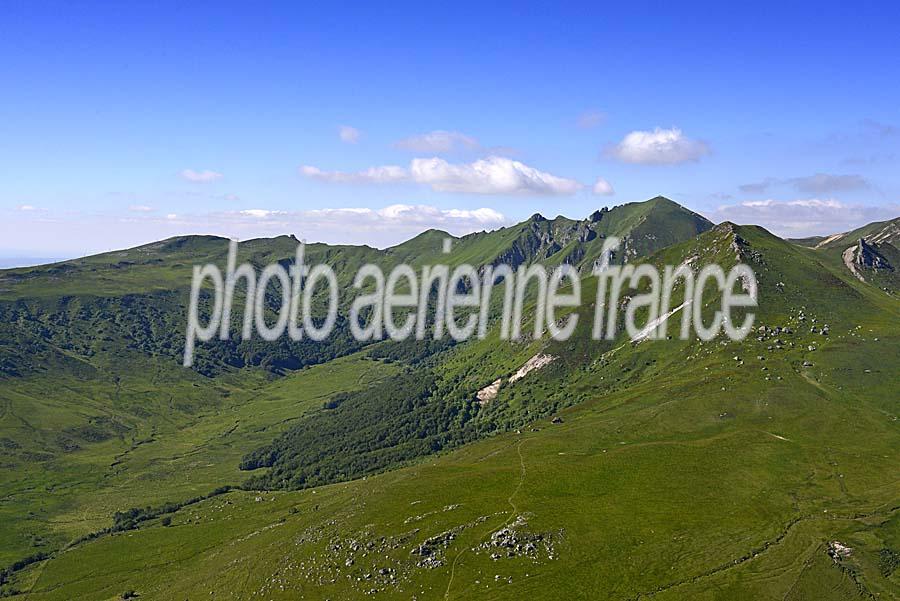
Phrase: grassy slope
(179,444)
(646,494)
(878,231)
(682,474)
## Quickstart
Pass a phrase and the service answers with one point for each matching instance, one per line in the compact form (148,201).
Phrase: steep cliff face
(868,256)
(873,263)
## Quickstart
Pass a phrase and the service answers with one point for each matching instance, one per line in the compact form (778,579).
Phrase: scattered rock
(838,551)
(489,393)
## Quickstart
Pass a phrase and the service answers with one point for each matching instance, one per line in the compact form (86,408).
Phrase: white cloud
(372,175)
(591,119)
(66,234)
(603,187)
(378,227)
(658,147)
(803,217)
(485,216)
(203,177)
(26,208)
(493,175)
(260,213)
(140,209)
(404,216)
(438,142)
(348,134)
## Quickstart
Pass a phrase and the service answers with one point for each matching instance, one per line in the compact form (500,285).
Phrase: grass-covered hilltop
(486,469)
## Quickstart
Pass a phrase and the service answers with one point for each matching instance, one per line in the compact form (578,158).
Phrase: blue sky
(366,123)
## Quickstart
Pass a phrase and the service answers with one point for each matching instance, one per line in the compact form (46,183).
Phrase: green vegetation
(675,469)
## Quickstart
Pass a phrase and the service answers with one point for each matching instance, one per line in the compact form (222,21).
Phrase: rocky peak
(596,216)
(867,255)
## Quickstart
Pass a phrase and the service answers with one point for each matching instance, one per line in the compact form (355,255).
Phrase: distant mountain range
(17,261)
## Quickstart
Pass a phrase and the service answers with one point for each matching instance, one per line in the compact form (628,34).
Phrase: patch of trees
(335,401)
(131,518)
(152,324)
(122,521)
(888,562)
(366,432)
(410,350)
(6,573)
(278,356)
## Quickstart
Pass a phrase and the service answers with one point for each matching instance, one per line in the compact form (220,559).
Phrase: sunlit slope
(681,470)
(135,301)
(869,253)
(167,265)
(876,232)
(90,375)
(674,484)
(76,450)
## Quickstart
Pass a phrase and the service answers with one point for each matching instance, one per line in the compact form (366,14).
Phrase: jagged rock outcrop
(642,227)
(867,256)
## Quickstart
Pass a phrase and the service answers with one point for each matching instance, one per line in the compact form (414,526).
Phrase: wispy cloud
(603,188)
(380,227)
(27,208)
(818,184)
(408,216)
(804,217)
(824,183)
(871,159)
(658,147)
(591,119)
(348,134)
(260,213)
(203,177)
(493,175)
(759,187)
(885,130)
(140,209)
(870,142)
(438,142)
(372,175)
(354,225)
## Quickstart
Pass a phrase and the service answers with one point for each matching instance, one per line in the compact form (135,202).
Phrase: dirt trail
(512,514)
(760,550)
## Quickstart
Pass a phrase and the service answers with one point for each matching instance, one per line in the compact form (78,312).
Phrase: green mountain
(136,299)
(870,253)
(876,233)
(610,469)
(93,346)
